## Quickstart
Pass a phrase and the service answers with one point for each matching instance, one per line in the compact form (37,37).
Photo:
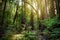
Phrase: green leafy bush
(28,35)
(51,28)
(49,22)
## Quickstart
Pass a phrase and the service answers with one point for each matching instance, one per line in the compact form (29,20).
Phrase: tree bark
(32,21)
(52,9)
(2,20)
(16,14)
(58,8)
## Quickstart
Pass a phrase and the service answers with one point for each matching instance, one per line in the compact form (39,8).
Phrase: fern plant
(50,29)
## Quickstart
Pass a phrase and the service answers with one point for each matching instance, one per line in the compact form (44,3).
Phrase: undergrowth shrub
(28,35)
(52,28)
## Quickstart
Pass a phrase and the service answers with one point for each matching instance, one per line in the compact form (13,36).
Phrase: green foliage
(49,22)
(55,33)
(46,32)
(9,31)
(28,35)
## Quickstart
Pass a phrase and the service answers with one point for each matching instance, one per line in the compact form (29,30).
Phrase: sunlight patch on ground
(17,36)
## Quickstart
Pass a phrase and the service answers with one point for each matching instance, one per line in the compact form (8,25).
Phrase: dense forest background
(29,19)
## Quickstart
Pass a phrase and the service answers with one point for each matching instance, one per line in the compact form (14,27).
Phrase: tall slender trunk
(58,8)
(23,21)
(15,17)
(3,12)
(46,11)
(16,14)
(32,23)
(25,15)
(2,20)
(32,16)
(52,9)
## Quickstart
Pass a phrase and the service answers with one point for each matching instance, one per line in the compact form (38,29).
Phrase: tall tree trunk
(23,21)
(46,11)
(32,16)
(32,23)
(3,12)
(52,9)
(58,8)
(16,14)
(2,20)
